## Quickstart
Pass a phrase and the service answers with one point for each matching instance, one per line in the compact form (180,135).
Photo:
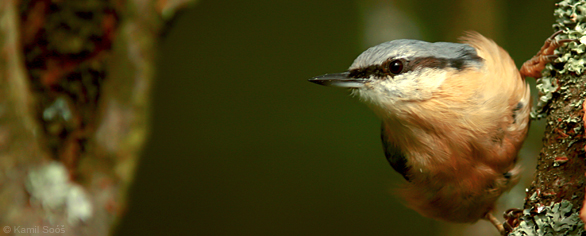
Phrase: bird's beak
(342,80)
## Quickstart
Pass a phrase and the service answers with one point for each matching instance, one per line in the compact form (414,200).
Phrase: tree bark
(556,195)
(75,79)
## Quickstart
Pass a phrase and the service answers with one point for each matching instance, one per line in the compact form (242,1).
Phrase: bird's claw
(534,66)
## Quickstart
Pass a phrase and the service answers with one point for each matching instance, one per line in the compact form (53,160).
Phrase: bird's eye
(395,67)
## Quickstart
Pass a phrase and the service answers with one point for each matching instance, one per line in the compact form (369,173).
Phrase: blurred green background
(242,144)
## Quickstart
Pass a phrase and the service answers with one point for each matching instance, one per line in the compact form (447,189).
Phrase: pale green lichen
(533,196)
(50,186)
(556,219)
(571,18)
(546,87)
(59,109)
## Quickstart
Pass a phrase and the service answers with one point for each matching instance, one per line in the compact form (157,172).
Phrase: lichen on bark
(558,187)
(75,79)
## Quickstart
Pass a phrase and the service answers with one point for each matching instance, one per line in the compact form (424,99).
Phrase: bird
(454,116)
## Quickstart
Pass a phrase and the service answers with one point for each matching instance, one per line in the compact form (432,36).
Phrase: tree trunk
(556,195)
(75,78)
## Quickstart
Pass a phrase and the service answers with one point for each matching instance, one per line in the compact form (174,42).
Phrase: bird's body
(462,138)
(454,117)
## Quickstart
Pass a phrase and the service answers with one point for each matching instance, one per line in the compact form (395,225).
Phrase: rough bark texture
(75,78)
(556,195)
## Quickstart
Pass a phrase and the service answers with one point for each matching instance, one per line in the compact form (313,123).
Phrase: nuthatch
(454,116)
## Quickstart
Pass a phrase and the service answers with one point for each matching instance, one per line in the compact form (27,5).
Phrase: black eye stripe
(366,72)
(412,64)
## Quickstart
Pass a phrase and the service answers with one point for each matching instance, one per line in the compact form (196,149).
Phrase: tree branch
(556,195)
(75,80)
